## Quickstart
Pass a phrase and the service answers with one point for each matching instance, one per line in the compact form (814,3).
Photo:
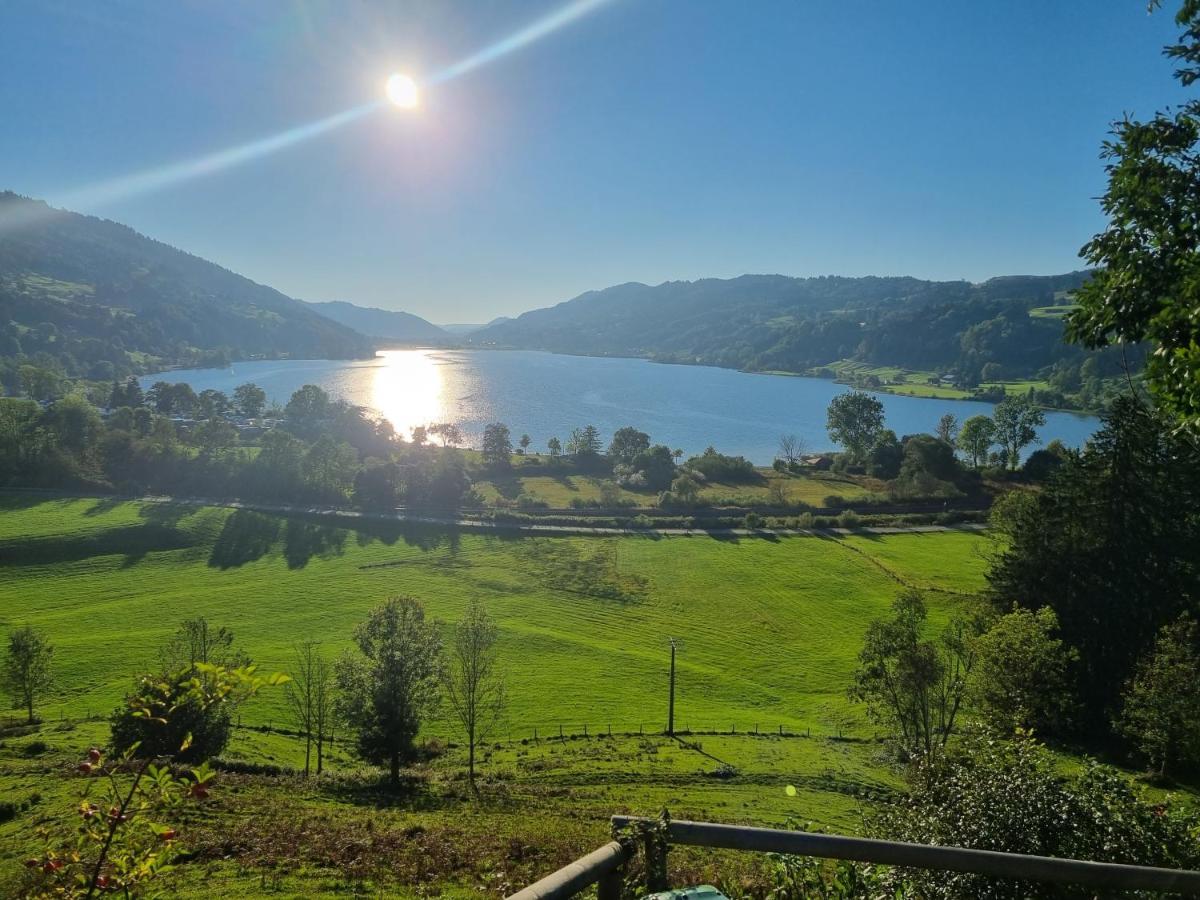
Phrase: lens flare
(402,91)
(518,39)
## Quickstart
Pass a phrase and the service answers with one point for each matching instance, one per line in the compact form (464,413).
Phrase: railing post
(654,843)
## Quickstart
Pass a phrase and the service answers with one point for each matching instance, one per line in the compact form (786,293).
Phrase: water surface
(545,395)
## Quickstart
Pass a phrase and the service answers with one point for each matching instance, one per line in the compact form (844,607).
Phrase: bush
(716,466)
(849,519)
(969,800)
(531,501)
(806,520)
(209,726)
(245,767)
(753,521)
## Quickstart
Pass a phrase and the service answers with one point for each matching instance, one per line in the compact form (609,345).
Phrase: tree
(1016,421)
(419,435)
(250,399)
(791,447)
(627,443)
(885,456)
(855,420)
(26,673)
(197,643)
(947,428)
(584,442)
(214,434)
(391,684)
(1146,281)
(450,434)
(554,446)
(473,682)
(329,468)
(911,685)
(1013,796)
(976,438)
(525,441)
(211,403)
(307,405)
(1161,712)
(1021,672)
(497,446)
(310,698)
(1109,543)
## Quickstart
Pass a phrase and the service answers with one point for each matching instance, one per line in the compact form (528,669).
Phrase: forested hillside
(90,298)
(388,324)
(1004,328)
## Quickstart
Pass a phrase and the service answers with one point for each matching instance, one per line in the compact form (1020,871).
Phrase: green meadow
(768,631)
(769,627)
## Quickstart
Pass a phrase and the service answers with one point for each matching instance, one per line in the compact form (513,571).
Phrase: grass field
(559,490)
(769,631)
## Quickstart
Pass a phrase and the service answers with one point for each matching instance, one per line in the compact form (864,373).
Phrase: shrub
(207,724)
(752,521)
(849,519)
(967,800)
(531,501)
(806,520)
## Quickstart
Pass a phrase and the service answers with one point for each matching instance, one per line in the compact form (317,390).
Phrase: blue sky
(649,140)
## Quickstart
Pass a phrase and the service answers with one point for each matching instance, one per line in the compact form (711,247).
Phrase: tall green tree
(855,420)
(910,684)
(1021,672)
(497,446)
(1109,543)
(1016,421)
(627,443)
(976,438)
(1161,711)
(250,399)
(584,442)
(1147,281)
(26,672)
(390,685)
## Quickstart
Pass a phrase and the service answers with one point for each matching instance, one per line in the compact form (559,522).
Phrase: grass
(915,383)
(559,490)
(769,630)
(584,620)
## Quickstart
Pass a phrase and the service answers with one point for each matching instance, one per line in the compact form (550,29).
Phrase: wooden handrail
(1016,866)
(603,865)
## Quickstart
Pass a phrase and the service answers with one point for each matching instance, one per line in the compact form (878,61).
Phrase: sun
(402,91)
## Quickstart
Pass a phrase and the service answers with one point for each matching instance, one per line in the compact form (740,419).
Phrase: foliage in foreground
(1004,795)
(128,846)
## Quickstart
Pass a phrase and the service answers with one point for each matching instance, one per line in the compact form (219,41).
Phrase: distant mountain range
(384,324)
(99,301)
(102,300)
(778,323)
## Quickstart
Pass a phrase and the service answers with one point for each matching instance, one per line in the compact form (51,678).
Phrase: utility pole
(671,704)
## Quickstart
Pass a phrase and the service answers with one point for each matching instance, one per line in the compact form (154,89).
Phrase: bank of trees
(322,451)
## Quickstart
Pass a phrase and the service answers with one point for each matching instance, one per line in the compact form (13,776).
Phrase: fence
(605,866)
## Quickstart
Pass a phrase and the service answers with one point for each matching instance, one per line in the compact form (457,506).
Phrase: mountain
(102,300)
(461,330)
(386,324)
(775,322)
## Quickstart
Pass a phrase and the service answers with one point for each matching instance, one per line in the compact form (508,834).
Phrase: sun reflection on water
(409,389)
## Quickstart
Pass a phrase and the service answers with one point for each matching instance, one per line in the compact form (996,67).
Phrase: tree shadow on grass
(412,793)
(103,505)
(303,540)
(246,536)
(131,541)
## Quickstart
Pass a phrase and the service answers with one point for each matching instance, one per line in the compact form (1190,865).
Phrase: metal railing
(606,865)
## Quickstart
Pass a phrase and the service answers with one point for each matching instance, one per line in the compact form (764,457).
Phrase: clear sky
(648,140)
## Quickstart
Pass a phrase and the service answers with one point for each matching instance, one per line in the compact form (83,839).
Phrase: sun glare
(402,91)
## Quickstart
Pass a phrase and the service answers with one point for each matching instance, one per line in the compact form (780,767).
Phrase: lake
(546,394)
